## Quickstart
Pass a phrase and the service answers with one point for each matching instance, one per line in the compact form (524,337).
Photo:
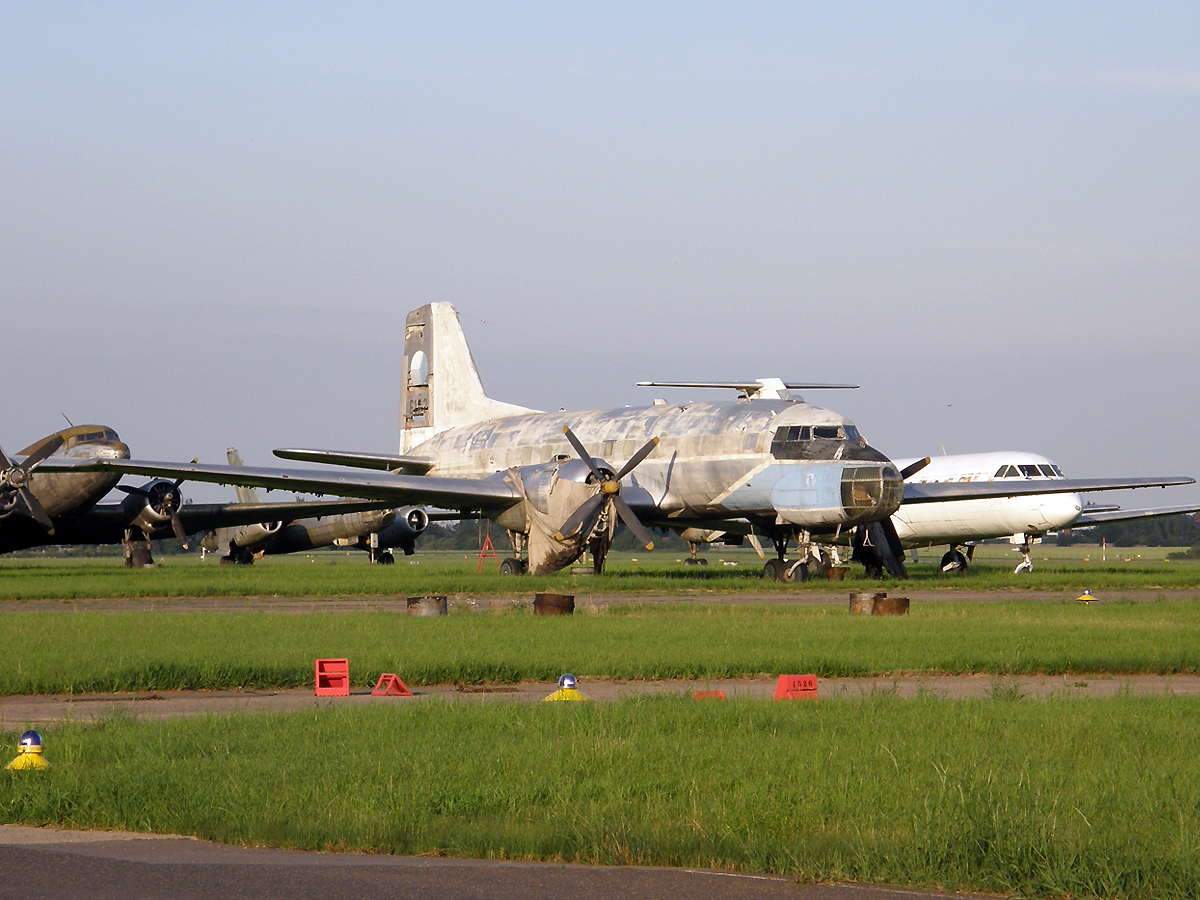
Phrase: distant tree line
(1170,531)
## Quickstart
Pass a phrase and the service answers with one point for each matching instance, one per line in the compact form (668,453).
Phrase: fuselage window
(1030,471)
(1047,471)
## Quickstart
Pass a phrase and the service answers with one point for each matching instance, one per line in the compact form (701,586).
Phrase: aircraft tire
(512,566)
(385,558)
(700,561)
(797,571)
(773,570)
(954,562)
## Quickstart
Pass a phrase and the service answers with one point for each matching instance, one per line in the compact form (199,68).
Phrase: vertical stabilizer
(439,384)
(244,494)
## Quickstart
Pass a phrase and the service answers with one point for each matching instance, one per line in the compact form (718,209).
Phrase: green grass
(59,652)
(1097,798)
(334,574)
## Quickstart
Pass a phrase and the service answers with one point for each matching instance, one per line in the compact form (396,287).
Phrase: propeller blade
(585,511)
(35,509)
(637,458)
(42,452)
(582,451)
(4,463)
(129,489)
(753,538)
(913,468)
(632,523)
(178,526)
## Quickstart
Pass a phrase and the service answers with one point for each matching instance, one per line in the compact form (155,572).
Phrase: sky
(215,217)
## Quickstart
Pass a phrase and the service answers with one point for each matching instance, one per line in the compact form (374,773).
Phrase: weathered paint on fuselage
(68,492)
(714,459)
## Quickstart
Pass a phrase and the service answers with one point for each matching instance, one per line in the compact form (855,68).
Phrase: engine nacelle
(408,525)
(151,507)
(251,535)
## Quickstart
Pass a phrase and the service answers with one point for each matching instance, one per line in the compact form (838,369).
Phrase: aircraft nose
(870,492)
(1060,510)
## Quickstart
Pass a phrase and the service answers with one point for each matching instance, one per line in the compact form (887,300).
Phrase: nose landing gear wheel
(785,571)
(512,566)
(954,561)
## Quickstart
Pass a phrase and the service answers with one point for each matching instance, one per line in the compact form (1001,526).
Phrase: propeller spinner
(609,495)
(15,479)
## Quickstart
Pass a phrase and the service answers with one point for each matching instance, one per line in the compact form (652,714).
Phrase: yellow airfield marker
(29,754)
(567,692)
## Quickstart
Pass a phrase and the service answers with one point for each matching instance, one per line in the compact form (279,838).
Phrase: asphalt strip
(32,711)
(73,865)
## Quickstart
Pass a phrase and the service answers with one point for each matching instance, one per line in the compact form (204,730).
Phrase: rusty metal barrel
(883,605)
(433,605)
(545,604)
(860,602)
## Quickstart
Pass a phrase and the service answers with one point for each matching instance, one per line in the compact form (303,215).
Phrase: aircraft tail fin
(439,384)
(244,494)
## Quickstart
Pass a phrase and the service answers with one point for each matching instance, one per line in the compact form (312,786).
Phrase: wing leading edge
(941,491)
(447,493)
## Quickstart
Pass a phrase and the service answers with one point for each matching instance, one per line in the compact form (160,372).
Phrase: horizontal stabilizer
(760,389)
(939,491)
(408,465)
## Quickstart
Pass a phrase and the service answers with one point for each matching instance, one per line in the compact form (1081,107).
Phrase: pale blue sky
(214,218)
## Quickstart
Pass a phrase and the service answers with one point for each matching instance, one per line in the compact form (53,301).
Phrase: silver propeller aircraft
(42,503)
(762,464)
(378,531)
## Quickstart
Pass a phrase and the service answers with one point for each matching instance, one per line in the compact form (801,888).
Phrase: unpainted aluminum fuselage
(714,460)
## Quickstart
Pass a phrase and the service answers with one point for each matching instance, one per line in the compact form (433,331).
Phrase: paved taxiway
(83,865)
(32,711)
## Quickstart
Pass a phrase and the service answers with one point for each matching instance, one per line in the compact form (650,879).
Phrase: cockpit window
(1047,471)
(1030,471)
(827,433)
(853,435)
(1058,472)
(1000,472)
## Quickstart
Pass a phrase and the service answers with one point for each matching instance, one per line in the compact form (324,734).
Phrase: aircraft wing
(1111,516)
(940,491)
(446,493)
(105,523)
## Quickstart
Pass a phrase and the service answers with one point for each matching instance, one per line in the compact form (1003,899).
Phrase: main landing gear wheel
(785,571)
(954,561)
(385,558)
(512,566)
(697,561)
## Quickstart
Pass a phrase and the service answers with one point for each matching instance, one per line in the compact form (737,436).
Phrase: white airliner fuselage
(959,521)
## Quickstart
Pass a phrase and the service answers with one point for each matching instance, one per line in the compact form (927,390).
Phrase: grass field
(1097,798)
(334,574)
(60,652)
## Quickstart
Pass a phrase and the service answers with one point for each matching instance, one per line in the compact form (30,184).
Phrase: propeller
(163,497)
(15,478)
(610,492)
(913,468)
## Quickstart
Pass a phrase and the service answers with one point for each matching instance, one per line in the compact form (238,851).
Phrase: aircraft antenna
(69,422)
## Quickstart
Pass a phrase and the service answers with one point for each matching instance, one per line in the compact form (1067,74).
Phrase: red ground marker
(796,687)
(390,685)
(332,678)
(708,695)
